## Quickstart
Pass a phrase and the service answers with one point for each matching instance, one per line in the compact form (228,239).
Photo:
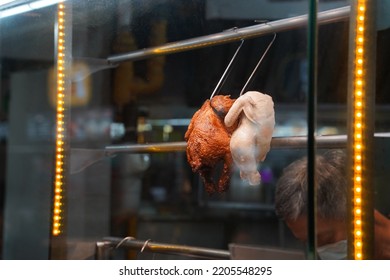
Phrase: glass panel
(126,169)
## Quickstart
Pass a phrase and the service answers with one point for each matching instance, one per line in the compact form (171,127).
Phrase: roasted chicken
(208,143)
(251,141)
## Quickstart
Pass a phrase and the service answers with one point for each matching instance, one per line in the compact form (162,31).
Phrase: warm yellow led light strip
(60,133)
(358,128)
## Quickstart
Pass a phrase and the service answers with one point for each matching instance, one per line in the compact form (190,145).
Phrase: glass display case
(96,97)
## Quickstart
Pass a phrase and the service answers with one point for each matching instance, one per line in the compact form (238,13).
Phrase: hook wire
(144,246)
(258,64)
(224,75)
(123,241)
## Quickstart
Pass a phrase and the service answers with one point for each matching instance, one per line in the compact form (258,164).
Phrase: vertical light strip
(358,128)
(57,222)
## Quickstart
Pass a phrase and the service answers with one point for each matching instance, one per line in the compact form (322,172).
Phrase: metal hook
(258,64)
(224,75)
(124,240)
(143,247)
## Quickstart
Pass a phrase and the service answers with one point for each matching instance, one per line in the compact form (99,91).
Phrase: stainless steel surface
(147,148)
(151,246)
(295,142)
(232,35)
(103,250)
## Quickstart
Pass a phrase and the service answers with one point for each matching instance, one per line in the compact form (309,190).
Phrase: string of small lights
(358,128)
(60,125)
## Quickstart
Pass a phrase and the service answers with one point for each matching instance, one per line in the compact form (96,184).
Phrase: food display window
(98,99)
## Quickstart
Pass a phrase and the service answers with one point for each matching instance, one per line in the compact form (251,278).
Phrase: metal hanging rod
(293,142)
(156,247)
(232,35)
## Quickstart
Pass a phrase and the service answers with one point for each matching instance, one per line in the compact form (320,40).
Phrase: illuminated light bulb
(360,61)
(358,189)
(358,157)
(360,72)
(360,50)
(359,82)
(360,39)
(359,93)
(361,28)
(358,125)
(358,146)
(358,200)
(359,104)
(359,256)
(358,178)
(358,211)
(361,18)
(358,233)
(358,168)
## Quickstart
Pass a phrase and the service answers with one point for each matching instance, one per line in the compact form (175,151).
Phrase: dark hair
(331,187)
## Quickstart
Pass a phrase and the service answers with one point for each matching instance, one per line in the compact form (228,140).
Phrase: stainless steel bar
(147,148)
(102,250)
(295,142)
(232,35)
(151,246)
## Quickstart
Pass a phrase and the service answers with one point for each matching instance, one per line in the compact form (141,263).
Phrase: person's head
(331,189)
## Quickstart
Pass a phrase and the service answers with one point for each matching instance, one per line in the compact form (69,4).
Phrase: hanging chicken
(208,142)
(251,140)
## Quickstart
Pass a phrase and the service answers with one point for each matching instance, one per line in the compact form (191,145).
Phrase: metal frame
(104,248)
(232,35)
(294,142)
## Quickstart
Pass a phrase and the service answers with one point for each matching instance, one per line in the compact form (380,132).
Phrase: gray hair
(331,187)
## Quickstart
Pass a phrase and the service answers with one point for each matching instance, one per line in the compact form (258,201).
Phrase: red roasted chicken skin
(208,143)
